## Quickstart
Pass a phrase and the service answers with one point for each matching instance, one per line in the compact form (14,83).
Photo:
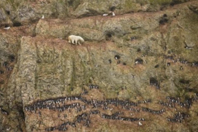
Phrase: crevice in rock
(154,82)
(138,61)
(163,20)
(21,118)
(7,12)
(17,24)
(108,35)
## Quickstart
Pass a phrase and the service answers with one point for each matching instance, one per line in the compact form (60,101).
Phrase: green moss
(142,2)
(15,3)
(86,74)
(73,76)
(129,5)
(160,2)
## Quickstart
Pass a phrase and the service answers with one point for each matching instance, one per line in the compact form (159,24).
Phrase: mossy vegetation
(129,6)
(16,3)
(131,64)
(160,2)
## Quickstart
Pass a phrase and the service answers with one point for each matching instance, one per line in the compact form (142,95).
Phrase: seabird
(113,14)
(105,15)
(7,28)
(42,17)
(139,123)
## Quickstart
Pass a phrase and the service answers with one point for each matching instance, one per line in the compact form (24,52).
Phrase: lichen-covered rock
(136,71)
(24,11)
(194,8)
(2,15)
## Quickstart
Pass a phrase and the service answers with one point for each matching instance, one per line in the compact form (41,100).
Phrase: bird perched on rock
(104,14)
(139,123)
(113,14)
(112,9)
(7,27)
(110,13)
(42,17)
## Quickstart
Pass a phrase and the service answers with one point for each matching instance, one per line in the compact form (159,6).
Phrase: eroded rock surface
(136,71)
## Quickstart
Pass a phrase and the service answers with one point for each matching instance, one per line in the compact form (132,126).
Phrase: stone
(136,71)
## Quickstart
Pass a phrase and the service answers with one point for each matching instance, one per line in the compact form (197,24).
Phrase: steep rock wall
(135,71)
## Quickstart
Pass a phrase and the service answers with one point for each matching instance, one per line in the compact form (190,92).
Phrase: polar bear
(75,39)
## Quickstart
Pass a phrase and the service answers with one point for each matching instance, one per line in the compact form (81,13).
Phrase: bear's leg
(78,42)
(73,41)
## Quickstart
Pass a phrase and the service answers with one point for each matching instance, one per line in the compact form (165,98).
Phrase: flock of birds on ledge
(121,110)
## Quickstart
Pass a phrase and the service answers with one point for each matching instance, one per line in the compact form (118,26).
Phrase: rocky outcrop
(20,12)
(136,71)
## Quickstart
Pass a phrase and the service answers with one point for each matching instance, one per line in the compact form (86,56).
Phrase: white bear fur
(75,39)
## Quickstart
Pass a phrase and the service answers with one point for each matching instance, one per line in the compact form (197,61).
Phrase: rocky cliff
(136,71)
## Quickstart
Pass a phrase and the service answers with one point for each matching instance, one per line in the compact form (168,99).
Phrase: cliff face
(136,71)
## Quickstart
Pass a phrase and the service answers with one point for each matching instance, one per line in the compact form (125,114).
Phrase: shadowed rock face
(136,71)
